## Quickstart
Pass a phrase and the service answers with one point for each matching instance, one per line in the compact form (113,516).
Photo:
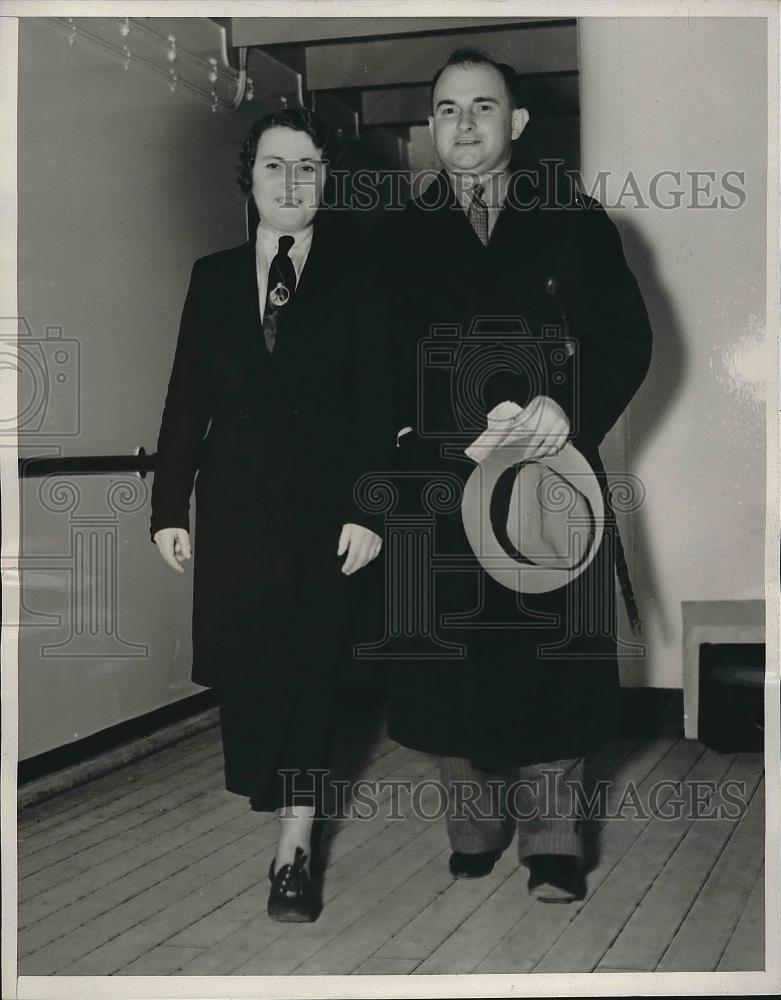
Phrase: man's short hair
(475,57)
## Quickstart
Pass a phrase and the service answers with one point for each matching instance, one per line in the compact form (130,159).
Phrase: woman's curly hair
(298,119)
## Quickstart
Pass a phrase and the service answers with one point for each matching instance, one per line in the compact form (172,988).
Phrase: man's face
(287,179)
(474,123)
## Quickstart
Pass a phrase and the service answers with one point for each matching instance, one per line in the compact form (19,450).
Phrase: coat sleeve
(371,396)
(185,417)
(607,319)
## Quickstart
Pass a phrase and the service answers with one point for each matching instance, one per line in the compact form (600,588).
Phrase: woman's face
(287,179)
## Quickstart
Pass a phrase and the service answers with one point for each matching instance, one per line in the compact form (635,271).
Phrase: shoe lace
(292,878)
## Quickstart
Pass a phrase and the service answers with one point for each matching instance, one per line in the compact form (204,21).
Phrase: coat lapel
(511,261)
(242,278)
(516,253)
(458,248)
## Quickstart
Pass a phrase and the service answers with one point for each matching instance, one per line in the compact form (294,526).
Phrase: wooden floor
(157,870)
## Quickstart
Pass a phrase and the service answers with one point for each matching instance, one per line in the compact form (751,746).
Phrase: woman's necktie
(279,290)
(477,214)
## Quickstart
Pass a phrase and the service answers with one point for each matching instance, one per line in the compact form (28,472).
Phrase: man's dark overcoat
(542,684)
(277,442)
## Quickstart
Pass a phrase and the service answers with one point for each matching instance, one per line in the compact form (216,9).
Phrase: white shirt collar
(268,242)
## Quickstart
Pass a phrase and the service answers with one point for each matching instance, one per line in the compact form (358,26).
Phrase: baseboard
(56,771)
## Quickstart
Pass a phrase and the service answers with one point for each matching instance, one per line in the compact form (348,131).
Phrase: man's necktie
(477,213)
(279,290)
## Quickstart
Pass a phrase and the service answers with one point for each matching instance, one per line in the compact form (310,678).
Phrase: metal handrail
(86,465)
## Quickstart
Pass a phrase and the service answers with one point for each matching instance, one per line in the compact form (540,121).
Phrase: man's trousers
(484,808)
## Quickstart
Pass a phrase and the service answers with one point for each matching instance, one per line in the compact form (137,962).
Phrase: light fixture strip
(176,58)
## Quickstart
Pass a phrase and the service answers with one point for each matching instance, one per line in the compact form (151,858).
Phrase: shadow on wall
(663,384)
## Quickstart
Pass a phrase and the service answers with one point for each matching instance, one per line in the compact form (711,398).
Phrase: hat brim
(516,573)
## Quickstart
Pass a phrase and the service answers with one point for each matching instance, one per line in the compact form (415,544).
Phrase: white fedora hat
(533,524)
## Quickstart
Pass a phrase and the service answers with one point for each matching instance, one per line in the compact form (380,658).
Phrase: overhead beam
(396,105)
(384,62)
(286,30)
(274,82)
(337,115)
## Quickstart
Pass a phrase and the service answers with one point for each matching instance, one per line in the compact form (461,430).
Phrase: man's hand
(544,425)
(174,546)
(361,546)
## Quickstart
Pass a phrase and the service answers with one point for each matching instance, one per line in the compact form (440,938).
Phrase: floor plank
(130,864)
(379,924)
(42,823)
(67,804)
(374,841)
(527,944)
(84,926)
(705,932)
(375,966)
(289,952)
(65,880)
(461,926)
(603,918)
(141,936)
(88,926)
(45,824)
(163,960)
(745,951)
(93,870)
(341,843)
(471,942)
(647,933)
(125,812)
(147,872)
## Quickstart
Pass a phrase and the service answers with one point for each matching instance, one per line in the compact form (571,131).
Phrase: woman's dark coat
(541,683)
(278,442)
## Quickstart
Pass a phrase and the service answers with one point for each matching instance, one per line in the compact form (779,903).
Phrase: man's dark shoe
(555,878)
(473,865)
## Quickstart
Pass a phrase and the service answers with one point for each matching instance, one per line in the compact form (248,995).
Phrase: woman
(280,399)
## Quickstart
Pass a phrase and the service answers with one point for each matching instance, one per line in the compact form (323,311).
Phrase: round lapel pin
(279,294)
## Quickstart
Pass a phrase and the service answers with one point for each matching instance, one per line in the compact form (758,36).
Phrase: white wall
(122,184)
(688,94)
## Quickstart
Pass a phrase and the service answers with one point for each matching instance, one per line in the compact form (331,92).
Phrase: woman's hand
(174,546)
(361,546)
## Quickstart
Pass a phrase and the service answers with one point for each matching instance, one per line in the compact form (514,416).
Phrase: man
(530,685)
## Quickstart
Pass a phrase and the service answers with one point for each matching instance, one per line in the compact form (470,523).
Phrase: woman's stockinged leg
(292,896)
(295,830)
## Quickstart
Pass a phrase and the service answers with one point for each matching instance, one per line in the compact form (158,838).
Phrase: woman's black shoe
(291,897)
